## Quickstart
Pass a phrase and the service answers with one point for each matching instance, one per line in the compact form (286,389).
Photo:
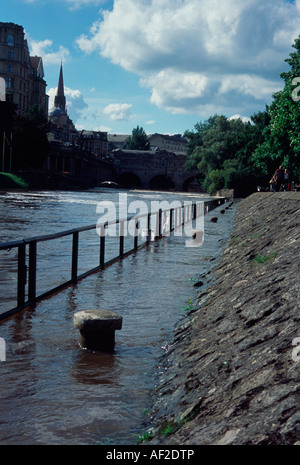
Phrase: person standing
(286,180)
(272,184)
(279,178)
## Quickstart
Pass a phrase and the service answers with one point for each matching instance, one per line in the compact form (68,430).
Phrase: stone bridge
(152,170)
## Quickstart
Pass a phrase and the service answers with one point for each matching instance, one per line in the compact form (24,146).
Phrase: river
(53,392)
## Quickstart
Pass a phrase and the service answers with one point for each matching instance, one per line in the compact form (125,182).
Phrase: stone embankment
(231,373)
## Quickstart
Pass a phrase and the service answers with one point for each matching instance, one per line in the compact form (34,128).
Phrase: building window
(10,83)
(10,39)
(9,68)
(10,54)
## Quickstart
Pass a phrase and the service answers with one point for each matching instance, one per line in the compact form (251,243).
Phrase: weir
(27,253)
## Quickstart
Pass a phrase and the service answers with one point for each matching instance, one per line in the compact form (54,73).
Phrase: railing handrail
(30,271)
(48,237)
(68,232)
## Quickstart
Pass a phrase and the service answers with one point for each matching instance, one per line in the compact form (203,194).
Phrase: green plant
(260,259)
(189,307)
(145,437)
(172,426)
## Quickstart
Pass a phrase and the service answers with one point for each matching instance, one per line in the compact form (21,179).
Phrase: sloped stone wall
(231,374)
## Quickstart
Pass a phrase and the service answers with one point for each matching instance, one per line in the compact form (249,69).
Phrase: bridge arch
(129,180)
(186,183)
(161,181)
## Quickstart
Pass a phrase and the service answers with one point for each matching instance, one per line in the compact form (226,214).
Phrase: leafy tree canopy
(7,115)
(220,149)
(281,145)
(232,154)
(138,140)
(28,136)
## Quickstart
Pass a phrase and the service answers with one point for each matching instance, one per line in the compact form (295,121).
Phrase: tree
(7,115)
(25,138)
(195,144)
(138,140)
(220,150)
(281,144)
(31,144)
(7,128)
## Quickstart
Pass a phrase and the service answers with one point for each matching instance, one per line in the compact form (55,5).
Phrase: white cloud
(199,55)
(170,87)
(244,119)
(105,128)
(75,4)
(255,86)
(118,111)
(44,49)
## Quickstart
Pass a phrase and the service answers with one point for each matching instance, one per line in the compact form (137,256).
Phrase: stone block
(97,328)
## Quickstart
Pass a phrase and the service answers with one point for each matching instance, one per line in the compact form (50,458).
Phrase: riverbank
(231,372)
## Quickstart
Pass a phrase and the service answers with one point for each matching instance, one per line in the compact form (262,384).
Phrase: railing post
(75,256)
(121,249)
(32,272)
(102,247)
(148,228)
(176,218)
(159,222)
(21,275)
(171,219)
(136,226)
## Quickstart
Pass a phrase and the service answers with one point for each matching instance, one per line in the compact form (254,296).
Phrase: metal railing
(27,250)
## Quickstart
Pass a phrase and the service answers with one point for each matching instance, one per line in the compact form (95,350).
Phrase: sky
(163,65)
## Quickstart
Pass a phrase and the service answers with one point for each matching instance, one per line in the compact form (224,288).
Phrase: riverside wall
(231,372)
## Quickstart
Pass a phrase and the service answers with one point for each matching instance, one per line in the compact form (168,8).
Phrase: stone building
(94,141)
(117,141)
(174,144)
(23,74)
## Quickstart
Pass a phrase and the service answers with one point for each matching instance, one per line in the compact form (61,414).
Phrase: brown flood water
(54,392)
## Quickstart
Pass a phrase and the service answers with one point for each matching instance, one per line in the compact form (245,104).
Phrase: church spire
(60,99)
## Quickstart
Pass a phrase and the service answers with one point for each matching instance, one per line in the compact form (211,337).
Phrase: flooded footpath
(53,392)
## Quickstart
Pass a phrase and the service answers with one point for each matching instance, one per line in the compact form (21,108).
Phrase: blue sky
(160,64)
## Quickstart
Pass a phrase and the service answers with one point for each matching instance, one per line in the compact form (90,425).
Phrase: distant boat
(109,184)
